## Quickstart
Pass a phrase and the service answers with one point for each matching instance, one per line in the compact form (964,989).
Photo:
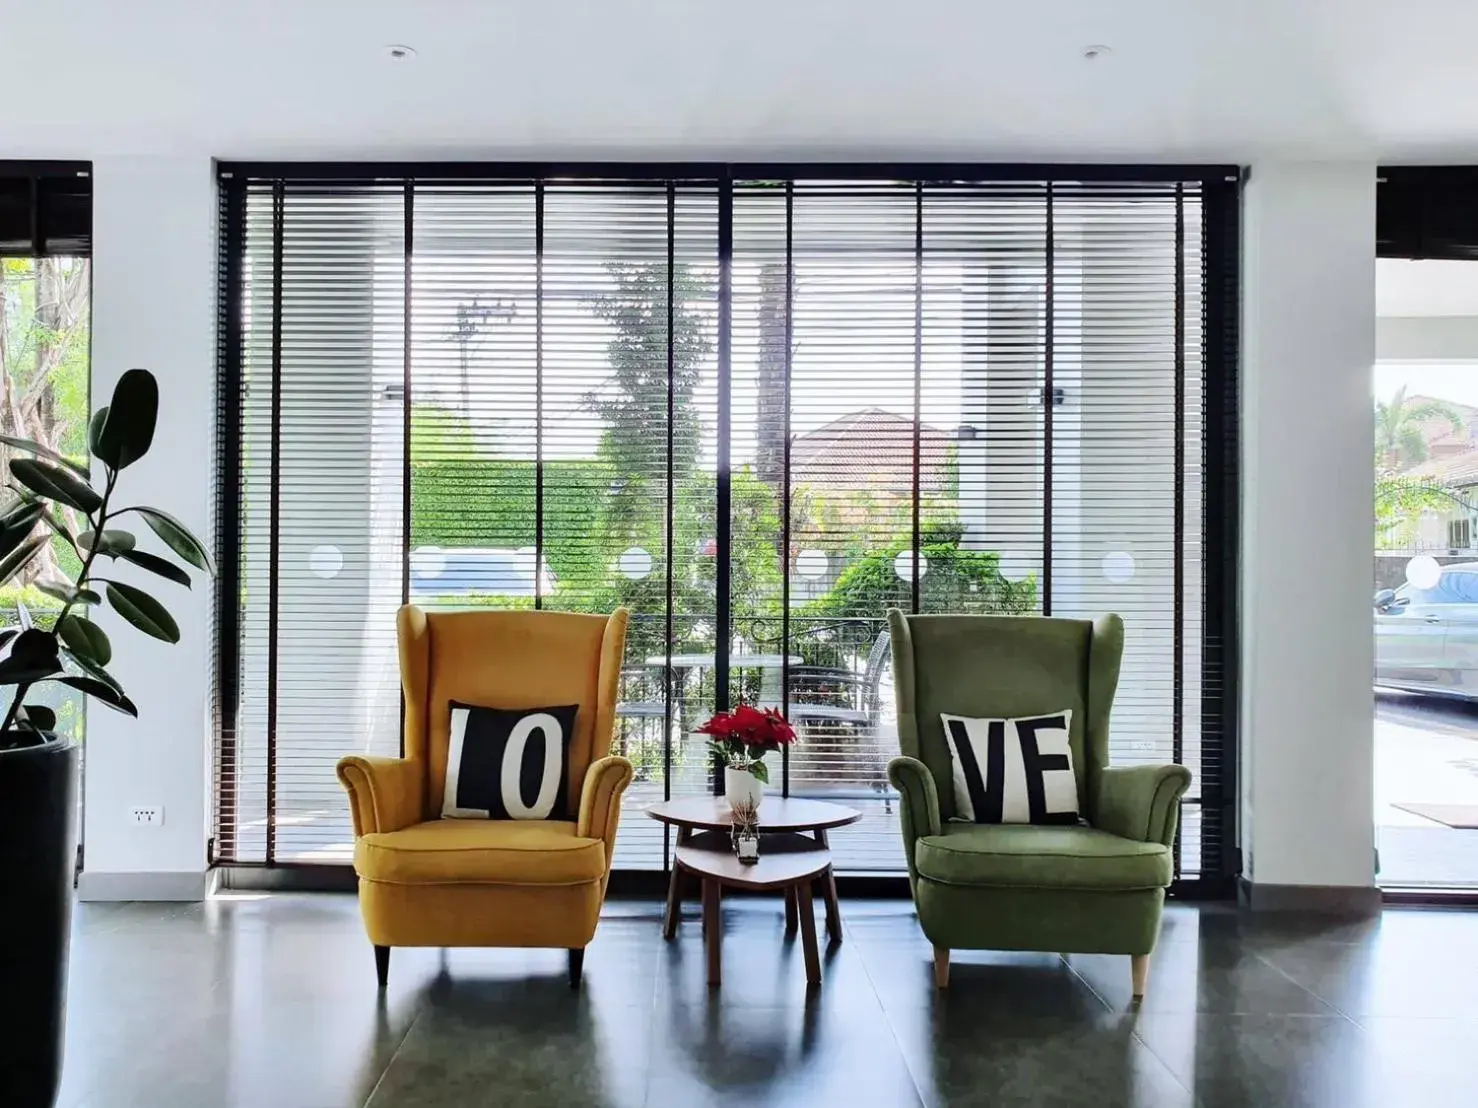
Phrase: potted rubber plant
(55,499)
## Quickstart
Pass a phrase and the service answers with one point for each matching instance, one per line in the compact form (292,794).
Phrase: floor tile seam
(394,1054)
(908,1065)
(1136,1009)
(1335,1008)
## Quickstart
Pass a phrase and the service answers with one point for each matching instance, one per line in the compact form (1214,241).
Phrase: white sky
(1455,382)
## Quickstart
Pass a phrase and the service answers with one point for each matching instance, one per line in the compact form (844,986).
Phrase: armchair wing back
(508,660)
(1005,666)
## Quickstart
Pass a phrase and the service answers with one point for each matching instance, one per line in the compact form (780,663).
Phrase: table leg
(829,895)
(712,936)
(807,910)
(792,917)
(675,892)
(674,903)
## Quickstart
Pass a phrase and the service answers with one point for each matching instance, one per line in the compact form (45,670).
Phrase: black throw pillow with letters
(508,763)
(1013,770)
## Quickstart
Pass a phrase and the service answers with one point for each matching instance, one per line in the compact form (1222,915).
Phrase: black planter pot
(37,857)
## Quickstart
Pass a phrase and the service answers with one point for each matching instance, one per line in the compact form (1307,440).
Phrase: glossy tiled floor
(271,1001)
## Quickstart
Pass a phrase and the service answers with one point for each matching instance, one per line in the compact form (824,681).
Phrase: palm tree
(1399,439)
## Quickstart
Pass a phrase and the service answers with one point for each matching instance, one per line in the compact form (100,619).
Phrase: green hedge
(954,580)
(490,502)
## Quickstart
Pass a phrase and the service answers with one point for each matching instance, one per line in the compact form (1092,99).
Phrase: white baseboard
(183,885)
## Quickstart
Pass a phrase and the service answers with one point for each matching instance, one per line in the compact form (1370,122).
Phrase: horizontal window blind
(45,209)
(758,410)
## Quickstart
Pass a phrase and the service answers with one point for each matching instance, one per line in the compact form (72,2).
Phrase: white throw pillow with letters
(1013,770)
(508,763)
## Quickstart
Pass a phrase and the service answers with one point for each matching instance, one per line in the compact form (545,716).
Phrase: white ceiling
(1224,80)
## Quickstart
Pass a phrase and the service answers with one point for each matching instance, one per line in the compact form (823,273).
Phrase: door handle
(1432,619)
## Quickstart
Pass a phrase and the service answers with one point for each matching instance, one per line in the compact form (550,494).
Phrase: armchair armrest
(1140,802)
(919,806)
(385,794)
(600,800)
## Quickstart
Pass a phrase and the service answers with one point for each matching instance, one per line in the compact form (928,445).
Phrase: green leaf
(127,430)
(39,716)
(110,696)
(45,452)
(54,521)
(86,639)
(67,594)
(95,428)
(143,611)
(761,772)
(17,525)
(178,538)
(23,514)
(91,669)
(155,564)
(110,542)
(17,559)
(56,483)
(33,657)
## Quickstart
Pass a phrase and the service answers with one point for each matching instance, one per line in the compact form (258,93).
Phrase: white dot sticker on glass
(428,561)
(1015,566)
(1423,572)
(1118,567)
(903,565)
(811,563)
(325,561)
(634,563)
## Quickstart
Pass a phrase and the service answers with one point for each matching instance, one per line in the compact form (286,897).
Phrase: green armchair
(1095,888)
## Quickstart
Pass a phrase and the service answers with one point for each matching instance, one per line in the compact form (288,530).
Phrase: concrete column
(1307,708)
(154,235)
(1000,456)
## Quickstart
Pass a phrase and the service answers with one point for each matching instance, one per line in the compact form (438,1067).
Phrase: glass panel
(1425,581)
(45,339)
(930,407)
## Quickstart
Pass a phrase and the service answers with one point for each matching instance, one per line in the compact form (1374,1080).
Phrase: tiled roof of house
(1457,470)
(871,449)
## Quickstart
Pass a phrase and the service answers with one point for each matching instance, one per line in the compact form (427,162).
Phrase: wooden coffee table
(789,861)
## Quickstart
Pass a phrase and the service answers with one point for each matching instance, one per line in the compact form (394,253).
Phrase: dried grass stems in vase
(746,831)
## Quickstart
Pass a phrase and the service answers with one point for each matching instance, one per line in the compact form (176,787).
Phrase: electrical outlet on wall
(147,815)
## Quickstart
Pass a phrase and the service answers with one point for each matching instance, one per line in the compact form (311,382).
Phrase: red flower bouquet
(745,735)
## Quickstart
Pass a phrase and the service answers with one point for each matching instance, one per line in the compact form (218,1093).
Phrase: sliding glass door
(758,408)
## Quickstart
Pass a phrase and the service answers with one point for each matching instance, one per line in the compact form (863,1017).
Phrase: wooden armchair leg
(941,967)
(1139,971)
(577,966)
(382,964)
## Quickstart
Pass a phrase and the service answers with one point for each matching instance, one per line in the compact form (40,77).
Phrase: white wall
(1308,349)
(1308,343)
(1426,339)
(154,306)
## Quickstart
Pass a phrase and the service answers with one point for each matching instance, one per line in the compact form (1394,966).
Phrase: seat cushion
(498,852)
(1020,855)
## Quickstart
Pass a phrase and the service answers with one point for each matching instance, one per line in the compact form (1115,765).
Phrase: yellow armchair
(426,881)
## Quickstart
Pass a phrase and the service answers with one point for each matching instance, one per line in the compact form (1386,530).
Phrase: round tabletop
(777,813)
(785,859)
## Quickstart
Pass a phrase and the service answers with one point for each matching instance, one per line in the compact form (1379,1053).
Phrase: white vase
(740,784)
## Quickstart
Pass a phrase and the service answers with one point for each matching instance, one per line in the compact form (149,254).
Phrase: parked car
(1426,640)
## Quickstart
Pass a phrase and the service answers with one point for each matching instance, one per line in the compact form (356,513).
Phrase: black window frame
(1220,861)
